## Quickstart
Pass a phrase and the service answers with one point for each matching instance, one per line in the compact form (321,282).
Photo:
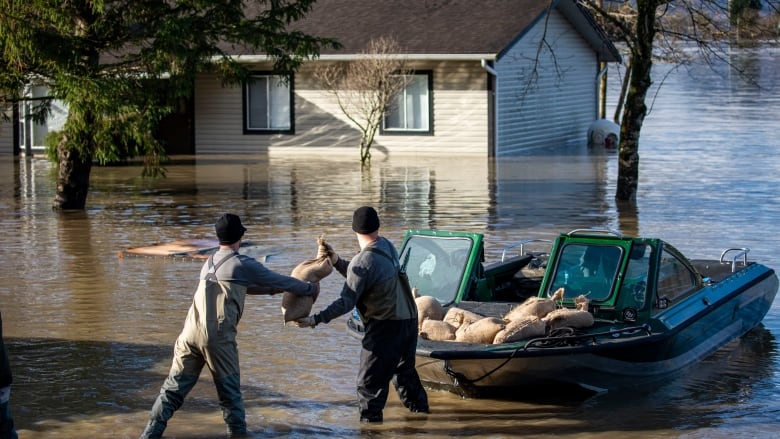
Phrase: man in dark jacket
(7,430)
(209,334)
(389,315)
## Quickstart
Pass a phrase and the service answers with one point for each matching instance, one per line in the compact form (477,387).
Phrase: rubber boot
(154,430)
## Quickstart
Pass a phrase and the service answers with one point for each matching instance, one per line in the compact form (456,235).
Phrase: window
(634,286)
(268,104)
(410,110)
(674,280)
(586,269)
(435,265)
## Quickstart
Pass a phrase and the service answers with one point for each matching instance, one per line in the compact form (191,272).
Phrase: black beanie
(229,228)
(365,220)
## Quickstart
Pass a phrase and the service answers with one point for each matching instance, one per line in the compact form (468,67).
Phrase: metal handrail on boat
(521,244)
(555,341)
(743,252)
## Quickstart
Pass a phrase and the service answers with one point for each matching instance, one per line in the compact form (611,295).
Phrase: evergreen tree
(105,60)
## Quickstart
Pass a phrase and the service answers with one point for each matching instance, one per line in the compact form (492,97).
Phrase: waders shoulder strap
(212,274)
(401,271)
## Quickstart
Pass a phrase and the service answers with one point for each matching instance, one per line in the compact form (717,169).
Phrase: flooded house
(489,78)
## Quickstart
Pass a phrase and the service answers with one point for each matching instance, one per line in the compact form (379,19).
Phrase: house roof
(443,29)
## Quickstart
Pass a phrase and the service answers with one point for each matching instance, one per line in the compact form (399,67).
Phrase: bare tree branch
(364,89)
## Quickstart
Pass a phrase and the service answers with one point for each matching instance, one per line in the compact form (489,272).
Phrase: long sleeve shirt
(249,272)
(373,286)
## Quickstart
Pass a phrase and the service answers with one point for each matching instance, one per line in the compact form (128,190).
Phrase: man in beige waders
(209,334)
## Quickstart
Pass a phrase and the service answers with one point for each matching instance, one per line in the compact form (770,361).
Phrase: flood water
(91,334)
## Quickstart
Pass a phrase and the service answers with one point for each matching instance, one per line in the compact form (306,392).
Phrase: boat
(654,311)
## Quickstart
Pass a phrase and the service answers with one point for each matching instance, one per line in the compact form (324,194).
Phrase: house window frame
(414,132)
(246,110)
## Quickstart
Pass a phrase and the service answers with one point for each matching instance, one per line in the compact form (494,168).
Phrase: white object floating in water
(604,132)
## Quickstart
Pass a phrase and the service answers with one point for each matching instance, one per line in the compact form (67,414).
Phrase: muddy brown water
(91,334)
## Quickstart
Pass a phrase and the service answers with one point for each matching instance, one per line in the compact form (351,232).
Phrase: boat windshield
(586,269)
(435,264)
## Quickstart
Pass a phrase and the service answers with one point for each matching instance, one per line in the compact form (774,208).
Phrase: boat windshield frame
(436,264)
(588,269)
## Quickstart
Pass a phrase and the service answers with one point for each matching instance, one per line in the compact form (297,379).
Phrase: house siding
(6,137)
(556,108)
(459,117)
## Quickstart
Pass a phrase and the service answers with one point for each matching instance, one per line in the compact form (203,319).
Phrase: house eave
(477,57)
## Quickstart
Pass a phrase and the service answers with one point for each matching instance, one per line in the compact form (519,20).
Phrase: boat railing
(593,338)
(740,252)
(521,244)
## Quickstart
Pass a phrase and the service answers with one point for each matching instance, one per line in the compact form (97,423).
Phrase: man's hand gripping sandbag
(311,270)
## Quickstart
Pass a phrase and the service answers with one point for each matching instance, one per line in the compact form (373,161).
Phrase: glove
(306,322)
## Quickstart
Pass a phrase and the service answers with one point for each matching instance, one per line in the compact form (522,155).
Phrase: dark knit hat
(365,220)
(229,228)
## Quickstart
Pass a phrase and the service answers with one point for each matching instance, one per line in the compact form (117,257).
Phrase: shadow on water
(63,378)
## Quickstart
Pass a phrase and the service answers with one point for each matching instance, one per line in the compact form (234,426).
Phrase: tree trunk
(72,178)
(635,108)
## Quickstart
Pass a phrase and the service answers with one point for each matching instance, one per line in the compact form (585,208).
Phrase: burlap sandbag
(581,302)
(311,270)
(521,329)
(482,331)
(533,306)
(458,317)
(572,318)
(437,330)
(428,308)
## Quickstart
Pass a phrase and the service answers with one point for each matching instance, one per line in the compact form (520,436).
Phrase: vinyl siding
(459,117)
(556,108)
(6,137)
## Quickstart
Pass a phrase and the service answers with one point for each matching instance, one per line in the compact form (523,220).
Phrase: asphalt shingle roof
(423,26)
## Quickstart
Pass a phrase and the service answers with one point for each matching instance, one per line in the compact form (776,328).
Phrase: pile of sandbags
(311,270)
(533,318)
(546,311)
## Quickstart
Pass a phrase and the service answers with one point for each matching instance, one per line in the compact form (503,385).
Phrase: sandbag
(482,331)
(311,270)
(428,308)
(572,318)
(581,302)
(457,317)
(521,329)
(533,306)
(437,330)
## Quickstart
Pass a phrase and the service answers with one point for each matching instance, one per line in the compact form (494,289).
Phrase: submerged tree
(653,29)
(105,60)
(367,88)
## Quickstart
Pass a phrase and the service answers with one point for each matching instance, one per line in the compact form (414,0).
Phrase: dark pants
(6,422)
(388,355)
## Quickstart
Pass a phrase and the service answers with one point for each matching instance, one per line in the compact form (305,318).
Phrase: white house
(492,77)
